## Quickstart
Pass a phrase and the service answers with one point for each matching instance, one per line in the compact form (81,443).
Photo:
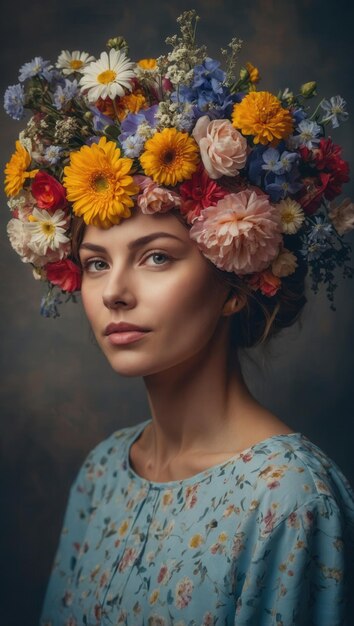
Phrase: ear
(233,304)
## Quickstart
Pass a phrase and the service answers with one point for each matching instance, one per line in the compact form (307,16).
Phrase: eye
(94,265)
(158,258)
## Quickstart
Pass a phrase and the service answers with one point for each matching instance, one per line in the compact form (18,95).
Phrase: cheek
(188,306)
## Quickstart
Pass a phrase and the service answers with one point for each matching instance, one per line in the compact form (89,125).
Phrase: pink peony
(155,199)
(241,234)
(222,148)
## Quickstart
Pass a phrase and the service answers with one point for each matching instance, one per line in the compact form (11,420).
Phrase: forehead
(137,226)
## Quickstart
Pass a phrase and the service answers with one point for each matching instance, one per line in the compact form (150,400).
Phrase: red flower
(65,274)
(48,192)
(266,282)
(198,193)
(310,196)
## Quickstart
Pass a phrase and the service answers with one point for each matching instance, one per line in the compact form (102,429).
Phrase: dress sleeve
(299,569)
(71,546)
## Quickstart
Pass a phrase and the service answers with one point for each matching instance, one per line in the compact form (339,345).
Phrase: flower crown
(252,173)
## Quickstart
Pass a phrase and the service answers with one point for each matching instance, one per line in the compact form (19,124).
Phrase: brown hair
(262,317)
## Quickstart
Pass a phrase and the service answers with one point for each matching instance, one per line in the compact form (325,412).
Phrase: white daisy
(47,231)
(75,61)
(108,77)
(292,216)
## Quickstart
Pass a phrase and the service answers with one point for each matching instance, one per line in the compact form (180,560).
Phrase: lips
(122,327)
(123,333)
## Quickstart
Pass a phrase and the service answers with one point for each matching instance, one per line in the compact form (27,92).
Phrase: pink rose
(65,274)
(241,234)
(155,199)
(223,149)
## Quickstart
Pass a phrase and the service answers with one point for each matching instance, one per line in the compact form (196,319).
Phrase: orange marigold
(261,114)
(119,109)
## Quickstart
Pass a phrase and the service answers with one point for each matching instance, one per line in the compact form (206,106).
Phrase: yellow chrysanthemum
(98,184)
(253,73)
(15,170)
(170,157)
(147,64)
(262,115)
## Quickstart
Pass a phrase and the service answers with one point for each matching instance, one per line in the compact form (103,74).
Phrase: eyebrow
(133,244)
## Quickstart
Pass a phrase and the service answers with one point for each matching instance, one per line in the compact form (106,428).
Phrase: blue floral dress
(264,538)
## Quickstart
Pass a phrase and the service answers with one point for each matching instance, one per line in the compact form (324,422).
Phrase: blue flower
(254,165)
(309,134)
(321,232)
(133,146)
(49,305)
(207,91)
(335,109)
(313,251)
(283,186)
(36,67)
(52,154)
(130,124)
(99,120)
(208,76)
(63,95)
(14,100)
(271,161)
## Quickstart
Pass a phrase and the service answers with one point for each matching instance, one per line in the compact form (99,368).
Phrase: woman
(214,508)
(191,234)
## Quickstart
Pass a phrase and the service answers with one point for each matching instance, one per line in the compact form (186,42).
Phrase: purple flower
(130,124)
(63,95)
(36,67)
(14,100)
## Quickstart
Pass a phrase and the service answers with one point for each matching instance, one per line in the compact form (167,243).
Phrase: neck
(199,407)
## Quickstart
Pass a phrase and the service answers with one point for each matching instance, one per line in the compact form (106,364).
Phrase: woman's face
(147,272)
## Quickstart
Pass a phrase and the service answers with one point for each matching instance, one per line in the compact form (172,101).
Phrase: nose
(119,291)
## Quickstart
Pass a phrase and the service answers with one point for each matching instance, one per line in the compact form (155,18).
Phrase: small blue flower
(99,120)
(133,146)
(14,100)
(335,110)
(283,186)
(321,232)
(271,161)
(36,67)
(63,95)
(49,305)
(52,154)
(309,134)
(313,251)
(130,124)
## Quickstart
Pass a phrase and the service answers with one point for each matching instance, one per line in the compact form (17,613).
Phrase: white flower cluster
(169,115)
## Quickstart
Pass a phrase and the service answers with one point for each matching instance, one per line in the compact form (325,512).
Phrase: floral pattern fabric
(265,538)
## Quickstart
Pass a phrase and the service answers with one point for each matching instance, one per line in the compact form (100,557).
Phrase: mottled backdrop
(58,395)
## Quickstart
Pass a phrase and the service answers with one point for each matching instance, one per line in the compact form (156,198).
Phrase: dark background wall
(58,395)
